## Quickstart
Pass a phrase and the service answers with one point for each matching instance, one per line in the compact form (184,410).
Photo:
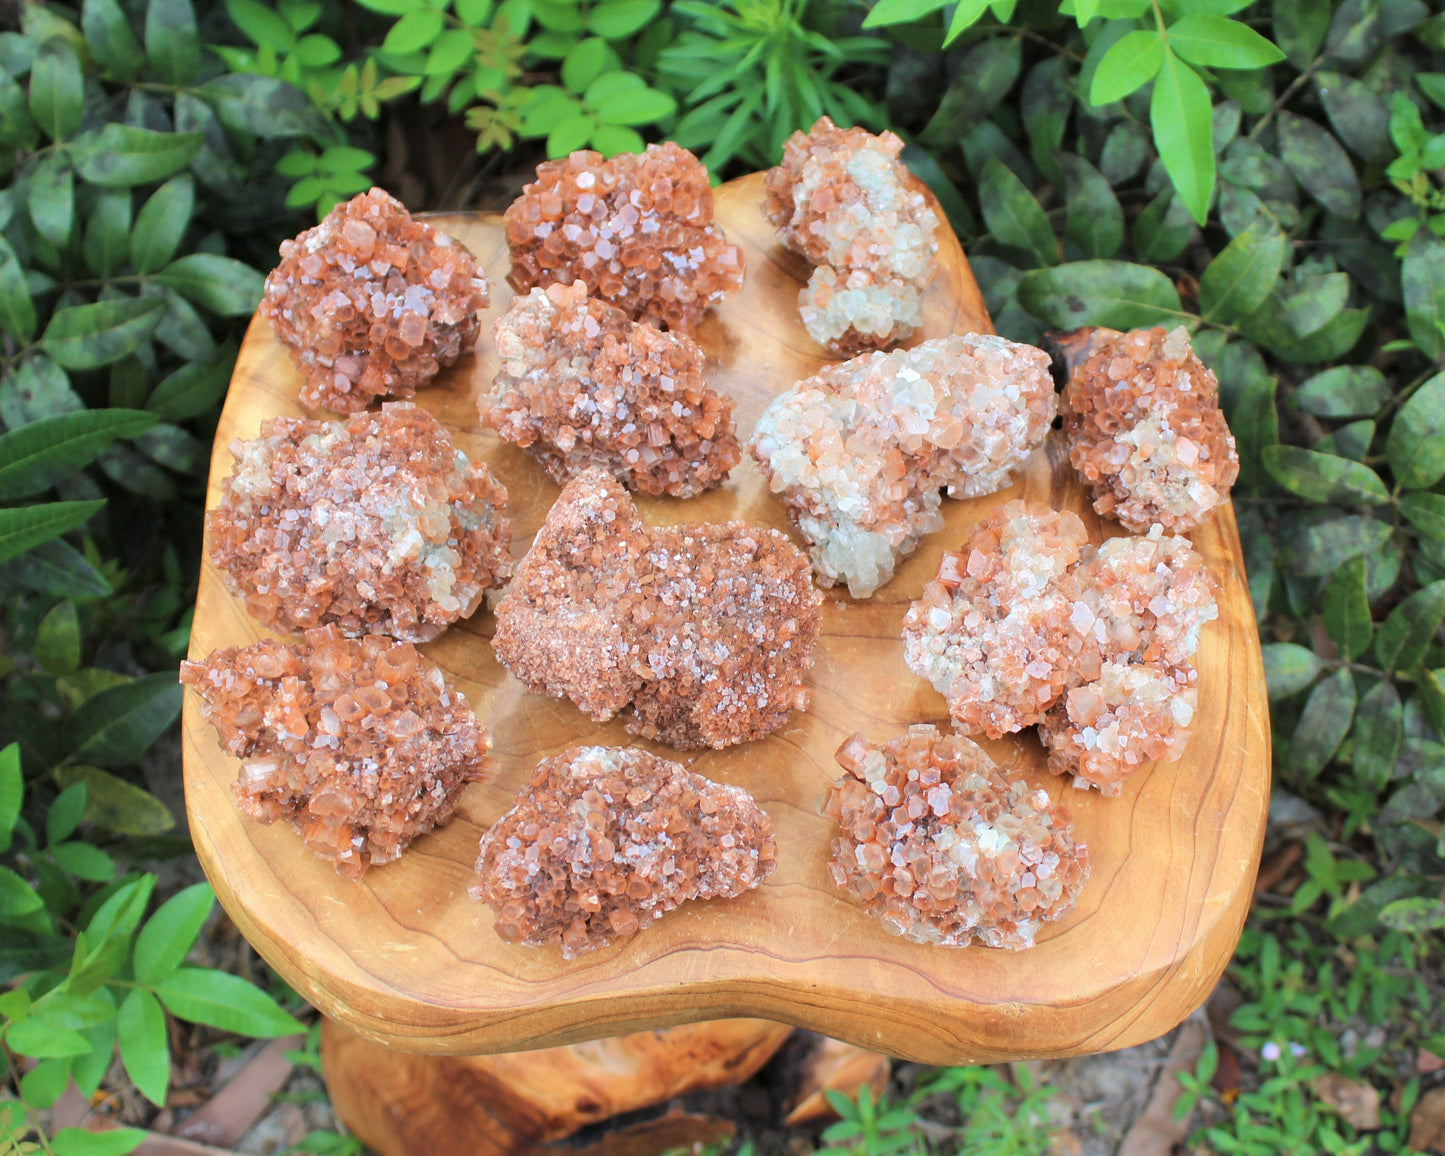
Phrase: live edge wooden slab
(406,958)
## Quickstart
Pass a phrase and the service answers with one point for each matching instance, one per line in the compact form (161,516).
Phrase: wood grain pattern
(405,958)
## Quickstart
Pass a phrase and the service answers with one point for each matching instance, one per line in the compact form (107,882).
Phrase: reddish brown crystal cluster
(1145,429)
(360,744)
(605,841)
(861,451)
(844,201)
(581,385)
(638,229)
(372,303)
(378,524)
(703,632)
(1029,624)
(941,848)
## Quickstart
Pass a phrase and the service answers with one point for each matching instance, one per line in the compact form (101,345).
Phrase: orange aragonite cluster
(372,303)
(638,229)
(702,632)
(1029,624)
(581,385)
(378,524)
(1145,429)
(861,450)
(360,744)
(844,201)
(941,848)
(604,841)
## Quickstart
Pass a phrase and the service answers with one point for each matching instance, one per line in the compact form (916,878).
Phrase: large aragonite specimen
(604,841)
(360,744)
(372,303)
(637,228)
(844,201)
(377,524)
(581,385)
(1145,429)
(940,847)
(861,450)
(702,633)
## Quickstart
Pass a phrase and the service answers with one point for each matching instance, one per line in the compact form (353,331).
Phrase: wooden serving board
(406,958)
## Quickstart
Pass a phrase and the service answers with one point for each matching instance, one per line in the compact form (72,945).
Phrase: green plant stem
(30,1111)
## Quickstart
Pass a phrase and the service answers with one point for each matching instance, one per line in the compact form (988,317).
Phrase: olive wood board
(406,958)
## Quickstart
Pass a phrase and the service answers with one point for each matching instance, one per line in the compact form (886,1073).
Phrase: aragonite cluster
(360,744)
(604,841)
(1029,624)
(582,385)
(377,524)
(1145,429)
(703,633)
(372,303)
(861,451)
(844,201)
(638,229)
(937,844)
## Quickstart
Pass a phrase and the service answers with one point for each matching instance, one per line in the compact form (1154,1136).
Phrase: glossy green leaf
(900,11)
(985,74)
(65,814)
(639,106)
(161,224)
(116,805)
(611,139)
(57,640)
(28,526)
(1129,65)
(84,862)
(1319,163)
(117,725)
(413,32)
(170,933)
(1181,116)
(216,999)
(1214,41)
(221,284)
(265,107)
(83,1142)
(106,244)
(12,792)
(1324,477)
(1422,277)
(1244,273)
(1347,610)
(261,24)
(16,896)
(144,1049)
(51,200)
(1344,391)
(43,1084)
(1289,668)
(17,312)
(621,18)
(1416,445)
(191,390)
(41,1038)
(1115,294)
(172,43)
(110,39)
(570,133)
(1012,214)
(89,1070)
(121,912)
(57,89)
(35,456)
(966,13)
(121,155)
(585,62)
(1378,729)
(1095,220)
(89,336)
(1404,636)
(1328,715)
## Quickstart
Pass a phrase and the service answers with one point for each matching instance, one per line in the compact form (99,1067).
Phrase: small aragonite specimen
(604,841)
(940,847)
(378,524)
(1145,429)
(861,450)
(703,633)
(844,201)
(372,303)
(360,744)
(581,385)
(637,228)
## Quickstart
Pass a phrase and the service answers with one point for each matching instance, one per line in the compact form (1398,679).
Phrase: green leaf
(191,390)
(262,25)
(1012,214)
(16,896)
(983,77)
(1359,116)
(223,1001)
(162,223)
(57,640)
(173,45)
(611,139)
(1095,221)
(1130,64)
(640,106)
(570,133)
(89,1070)
(1182,118)
(81,1142)
(121,913)
(1212,41)
(115,805)
(141,1028)
(28,526)
(1422,277)
(35,389)
(900,11)
(1416,445)
(1299,26)
(57,89)
(12,792)
(17,312)
(1414,916)
(35,456)
(966,14)
(1426,512)
(221,284)
(44,1083)
(110,39)
(619,18)
(1244,273)
(107,233)
(413,32)
(84,862)
(42,1038)
(1288,668)
(171,932)
(265,107)
(1328,714)
(1114,294)
(1378,729)
(1344,391)
(1347,610)
(89,336)
(585,62)
(1320,165)
(1324,477)
(116,726)
(1404,637)
(121,155)
(65,814)
(51,199)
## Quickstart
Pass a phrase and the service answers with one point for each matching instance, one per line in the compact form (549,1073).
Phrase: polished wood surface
(406,958)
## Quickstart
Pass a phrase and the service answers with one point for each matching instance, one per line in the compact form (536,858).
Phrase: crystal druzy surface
(638,229)
(702,633)
(604,841)
(1145,429)
(372,303)
(941,848)
(1029,624)
(378,524)
(861,450)
(844,201)
(360,744)
(581,385)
